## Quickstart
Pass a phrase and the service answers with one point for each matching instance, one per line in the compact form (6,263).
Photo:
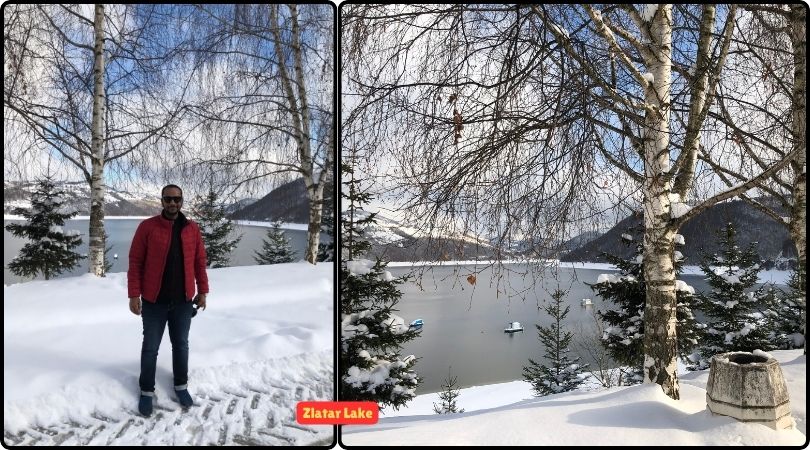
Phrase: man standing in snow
(166,260)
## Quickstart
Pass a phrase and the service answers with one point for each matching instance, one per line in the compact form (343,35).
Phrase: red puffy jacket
(147,258)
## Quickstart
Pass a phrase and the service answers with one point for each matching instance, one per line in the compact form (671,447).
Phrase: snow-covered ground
(71,361)
(508,414)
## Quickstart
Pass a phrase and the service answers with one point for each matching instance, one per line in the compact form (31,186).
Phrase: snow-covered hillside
(72,360)
(77,196)
(388,230)
(394,240)
(117,203)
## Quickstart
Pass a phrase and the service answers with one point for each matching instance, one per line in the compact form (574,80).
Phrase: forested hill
(286,203)
(752,225)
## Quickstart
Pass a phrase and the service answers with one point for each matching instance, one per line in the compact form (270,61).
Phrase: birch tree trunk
(299,109)
(698,105)
(96,245)
(315,215)
(659,273)
(798,220)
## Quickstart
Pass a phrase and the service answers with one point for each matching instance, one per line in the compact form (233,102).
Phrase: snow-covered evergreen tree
(788,313)
(562,374)
(108,264)
(624,331)
(736,312)
(275,248)
(216,229)
(448,396)
(371,335)
(49,250)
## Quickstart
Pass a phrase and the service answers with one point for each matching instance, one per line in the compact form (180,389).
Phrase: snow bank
(507,414)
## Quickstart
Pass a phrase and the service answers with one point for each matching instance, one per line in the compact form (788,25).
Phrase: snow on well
(508,414)
(759,352)
(72,350)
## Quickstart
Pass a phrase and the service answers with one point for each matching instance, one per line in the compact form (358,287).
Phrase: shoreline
(775,276)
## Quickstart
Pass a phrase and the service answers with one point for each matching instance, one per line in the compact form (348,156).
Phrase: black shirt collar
(180,220)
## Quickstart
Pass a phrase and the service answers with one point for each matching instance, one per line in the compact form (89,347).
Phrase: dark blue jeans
(155,317)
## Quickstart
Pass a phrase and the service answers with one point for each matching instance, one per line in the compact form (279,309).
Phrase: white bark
(659,273)
(698,101)
(96,244)
(300,113)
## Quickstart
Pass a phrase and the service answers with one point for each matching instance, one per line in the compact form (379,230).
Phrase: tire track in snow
(250,415)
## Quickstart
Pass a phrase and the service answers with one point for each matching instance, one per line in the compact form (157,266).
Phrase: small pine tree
(448,396)
(737,314)
(275,249)
(564,374)
(108,265)
(371,367)
(788,314)
(624,334)
(215,228)
(49,250)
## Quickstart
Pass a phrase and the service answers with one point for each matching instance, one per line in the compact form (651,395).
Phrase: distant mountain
(287,203)
(752,225)
(580,240)
(544,247)
(394,241)
(77,196)
(239,204)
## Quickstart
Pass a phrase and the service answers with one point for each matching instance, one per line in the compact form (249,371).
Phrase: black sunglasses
(169,199)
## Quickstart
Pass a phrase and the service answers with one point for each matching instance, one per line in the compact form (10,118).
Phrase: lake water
(464,323)
(121,231)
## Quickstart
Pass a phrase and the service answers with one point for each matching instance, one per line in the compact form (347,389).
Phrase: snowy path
(71,361)
(247,414)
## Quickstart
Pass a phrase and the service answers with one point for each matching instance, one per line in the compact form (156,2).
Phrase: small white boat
(586,302)
(513,327)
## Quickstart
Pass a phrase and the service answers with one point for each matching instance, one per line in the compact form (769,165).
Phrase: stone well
(750,388)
